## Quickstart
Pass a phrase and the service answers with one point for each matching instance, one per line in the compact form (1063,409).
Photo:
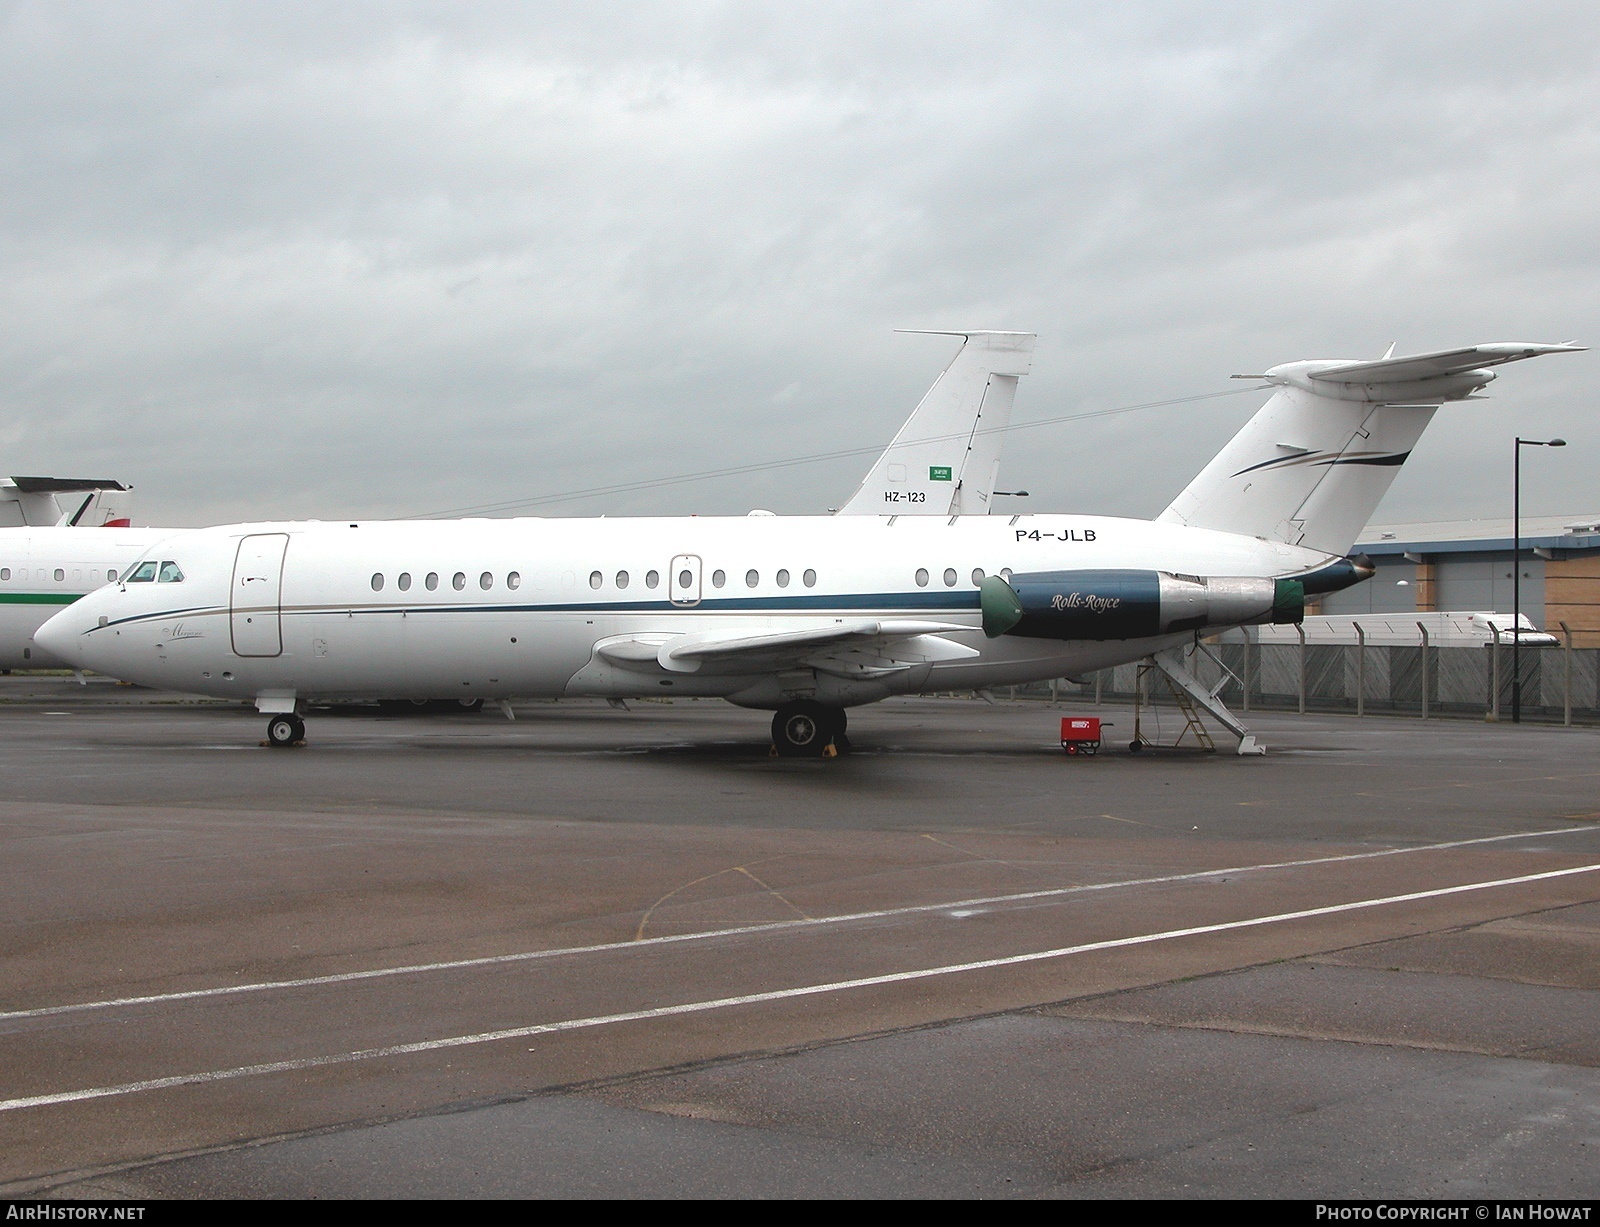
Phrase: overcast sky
(327,260)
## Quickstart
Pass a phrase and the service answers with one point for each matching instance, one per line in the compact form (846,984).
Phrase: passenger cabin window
(513,581)
(144,573)
(111,575)
(486,580)
(404,582)
(977,576)
(751,579)
(783,579)
(718,578)
(596,579)
(949,577)
(377,581)
(170,573)
(5,572)
(652,579)
(922,577)
(809,579)
(432,581)
(458,581)
(622,579)
(60,575)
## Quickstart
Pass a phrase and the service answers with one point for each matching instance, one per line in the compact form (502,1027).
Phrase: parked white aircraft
(62,537)
(45,566)
(1446,629)
(805,616)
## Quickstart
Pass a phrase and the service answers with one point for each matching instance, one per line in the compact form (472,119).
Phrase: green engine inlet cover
(1001,608)
(1288,601)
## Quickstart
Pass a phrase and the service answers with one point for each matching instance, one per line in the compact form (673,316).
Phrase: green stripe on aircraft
(38,598)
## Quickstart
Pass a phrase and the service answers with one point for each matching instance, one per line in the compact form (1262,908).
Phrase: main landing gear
(286,731)
(807,729)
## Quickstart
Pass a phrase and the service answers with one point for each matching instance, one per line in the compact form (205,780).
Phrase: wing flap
(874,659)
(757,648)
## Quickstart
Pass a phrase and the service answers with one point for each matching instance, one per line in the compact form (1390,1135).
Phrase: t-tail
(65,502)
(1312,465)
(946,458)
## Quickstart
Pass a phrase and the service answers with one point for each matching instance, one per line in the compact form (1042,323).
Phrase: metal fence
(1559,684)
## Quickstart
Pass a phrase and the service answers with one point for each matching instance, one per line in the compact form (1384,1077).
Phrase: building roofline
(1567,543)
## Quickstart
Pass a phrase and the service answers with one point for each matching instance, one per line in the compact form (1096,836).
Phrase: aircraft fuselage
(559,607)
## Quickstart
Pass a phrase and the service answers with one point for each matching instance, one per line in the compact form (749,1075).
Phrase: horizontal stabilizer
(1442,362)
(94,502)
(64,485)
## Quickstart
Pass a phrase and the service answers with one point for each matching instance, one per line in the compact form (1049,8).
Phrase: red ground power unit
(1080,734)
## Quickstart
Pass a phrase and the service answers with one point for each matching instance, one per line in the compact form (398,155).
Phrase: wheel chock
(830,751)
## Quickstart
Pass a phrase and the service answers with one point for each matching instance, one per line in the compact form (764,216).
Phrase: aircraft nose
(62,635)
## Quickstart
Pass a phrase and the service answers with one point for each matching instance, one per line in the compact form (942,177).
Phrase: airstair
(1190,696)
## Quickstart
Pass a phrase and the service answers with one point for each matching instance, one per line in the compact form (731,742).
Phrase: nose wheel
(286,731)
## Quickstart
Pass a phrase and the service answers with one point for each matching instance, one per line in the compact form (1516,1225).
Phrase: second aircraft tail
(946,457)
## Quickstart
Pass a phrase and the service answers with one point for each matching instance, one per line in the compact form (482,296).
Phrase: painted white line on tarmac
(782,994)
(777,926)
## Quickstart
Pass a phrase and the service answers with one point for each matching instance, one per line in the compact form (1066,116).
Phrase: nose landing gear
(286,731)
(809,730)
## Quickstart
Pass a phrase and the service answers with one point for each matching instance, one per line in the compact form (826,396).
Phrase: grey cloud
(379,260)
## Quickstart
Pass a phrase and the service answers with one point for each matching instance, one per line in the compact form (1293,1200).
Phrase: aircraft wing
(860,644)
(1443,362)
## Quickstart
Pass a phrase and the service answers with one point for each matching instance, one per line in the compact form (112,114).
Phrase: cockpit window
(144,573)
(170,574)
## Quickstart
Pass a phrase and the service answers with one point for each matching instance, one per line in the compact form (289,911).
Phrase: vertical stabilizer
(946,457)
(1314,462)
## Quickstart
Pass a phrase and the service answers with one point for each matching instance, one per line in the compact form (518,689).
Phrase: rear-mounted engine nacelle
(1132,604)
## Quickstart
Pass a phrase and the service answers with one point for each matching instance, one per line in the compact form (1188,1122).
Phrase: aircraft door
(253,606)
(683,580)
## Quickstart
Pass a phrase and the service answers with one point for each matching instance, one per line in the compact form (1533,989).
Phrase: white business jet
(61,537)
(805,616)
(44,566)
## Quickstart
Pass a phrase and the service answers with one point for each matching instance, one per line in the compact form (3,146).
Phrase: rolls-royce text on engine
(1132,604)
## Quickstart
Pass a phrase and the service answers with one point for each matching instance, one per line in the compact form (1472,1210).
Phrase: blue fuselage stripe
(920,602)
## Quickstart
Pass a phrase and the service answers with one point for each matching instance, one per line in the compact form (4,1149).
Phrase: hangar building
(1466,565)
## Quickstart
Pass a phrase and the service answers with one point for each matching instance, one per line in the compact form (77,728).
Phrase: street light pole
(1516,568)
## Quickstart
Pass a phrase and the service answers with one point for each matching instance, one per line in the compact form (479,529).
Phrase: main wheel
(284,731)
(841,721)
(804,729)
